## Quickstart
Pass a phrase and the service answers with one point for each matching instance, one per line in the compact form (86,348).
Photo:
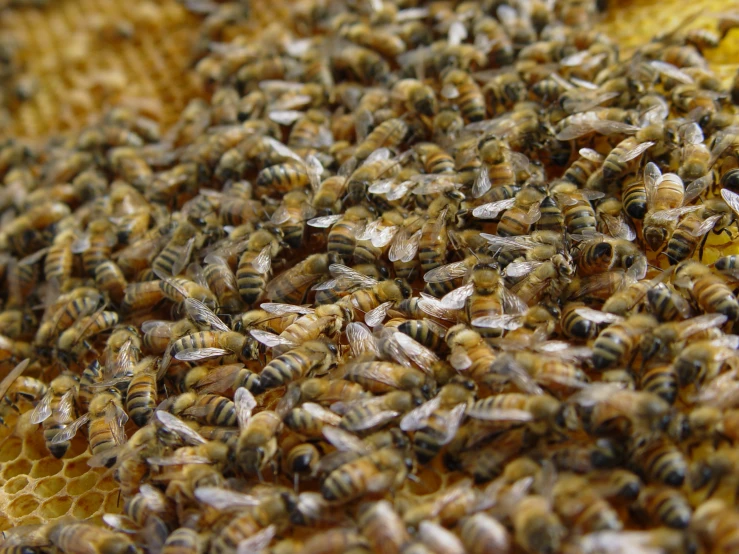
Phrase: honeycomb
(82,59)
(38,488)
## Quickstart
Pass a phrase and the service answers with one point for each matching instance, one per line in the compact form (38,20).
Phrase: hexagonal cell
(55,507)
(75,468)
(78,446)
(15,485)
(87,504)
(10,449)
(113,503)
(107,483)
(428,482)
(50,486)
(46,467)
(4,523)
(22,506)
(18,467)
(35,448)
(31,520)
(81,484)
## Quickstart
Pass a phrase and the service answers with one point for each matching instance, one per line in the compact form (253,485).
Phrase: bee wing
(609,127)
(177,459)
(324,222)
(258,542)
(263,261)
(701,323)
(288,401)
(520,269)
(579,105)
(574,131)
(361,340)
(459,359)
(280,215)
(697,187)
(487,414)
(509,322)
(667,216)
(706,225)
(618,227)
(81,244)
(176,425)
(157,328)
(282,309)
(328,285)
(419,354)
(507,244)
(598,316)
(344,441)
(121,523)
(417,417)
(638,150)
(377,315)
(282,150)
(404,246)
(271,340)
(652,174)
(671,71)
(481,184)
(224,499)
(590,154)
(285,117)
(732,199)
(432,306)
(321,413)
(595,393)
(203,315)
(195,354)
(218,379)
(184,257)
(12,376)
(449,91)
(245,403)
(315,169)
(456,299)
(70,430)
(116,418)
(508,367)
(375,420)
(382,235)
(445,273)
(453,421)
(492,209)
(348,275)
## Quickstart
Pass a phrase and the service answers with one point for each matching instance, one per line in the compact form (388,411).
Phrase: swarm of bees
(400,239)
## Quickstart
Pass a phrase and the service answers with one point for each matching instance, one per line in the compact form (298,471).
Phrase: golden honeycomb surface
(82,60)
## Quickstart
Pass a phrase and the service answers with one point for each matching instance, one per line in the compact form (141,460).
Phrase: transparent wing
(193,355)
(203,315)
(12,376)
(258,542)
(282,309)
(732,199)
(349,275)
(321,413)
(176,425)
(271,340)
(652,174)
(224,499)
(377,315)
(456,299)
(70,430)
(344,441)
(481,184)
(361,340)
(42,411)
(245,403)
(404,246)
(417,417)
(446,272)
(324,222)
(598,316)
(492,209)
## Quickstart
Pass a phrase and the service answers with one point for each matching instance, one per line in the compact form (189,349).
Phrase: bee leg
(703,244)
(296,482)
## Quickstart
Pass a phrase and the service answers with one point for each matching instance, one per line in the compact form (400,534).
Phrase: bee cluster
(417,277)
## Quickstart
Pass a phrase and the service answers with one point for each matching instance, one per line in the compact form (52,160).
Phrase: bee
(460,88)
(255,265)
(708,289)
(325,321)
(309,419)
(17,324)
(141,397)
(84,538)
(581,507)
(184,541)
(388,134)
(618,343)
(327,199)
(60,258)
(382,526)
(362,64)
(377,471)
(536,527)
(368,413)
(257,445)
(345,228)
(309,357)
(219,341)
(378,165)
(701,361)
(382,377)
(657,459)
(95,246)
(415,96)
(141,296)
(176,254)
(686,235)
(77,336)
(291,286)
(608,409)
(619,159)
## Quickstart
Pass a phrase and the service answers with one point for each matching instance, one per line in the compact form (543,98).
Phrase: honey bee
(461,89)
(657,459)
(89,539)
(17,324)
(309,357)
(219,341)
(184,541)
(325,321)
(707,289)
(327,199)
(701,361)
(582,507)
(536,527)
(141,397)
(608,409)
(74,339)
(345,228)
(382,377)
(291,286)
(415,96)
(381,524)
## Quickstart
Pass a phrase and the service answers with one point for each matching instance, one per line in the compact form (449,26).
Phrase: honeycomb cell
(78,446)
(113,503)
(75,468)
(49,486)
(46,467)
(428,482)
(4,523)
(10,449)
(19,467)
(22,506)
(107,484)
(81,484)
(35,448)
(15,485)
(87,504)
(55,507)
